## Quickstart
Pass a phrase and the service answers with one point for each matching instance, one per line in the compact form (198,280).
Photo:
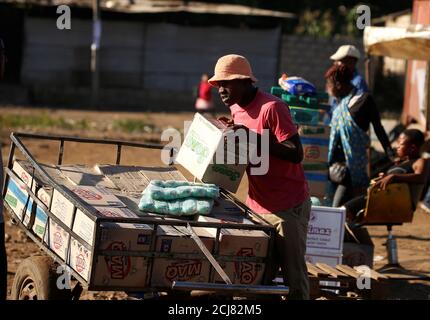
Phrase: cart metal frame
(17,143)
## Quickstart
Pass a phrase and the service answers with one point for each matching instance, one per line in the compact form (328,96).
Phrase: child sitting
(410,169)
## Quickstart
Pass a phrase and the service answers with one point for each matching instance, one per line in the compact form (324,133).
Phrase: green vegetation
(44,120)
(133,126)
(15,121)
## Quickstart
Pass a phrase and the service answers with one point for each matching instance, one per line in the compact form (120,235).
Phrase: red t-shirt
(284,186)
(205,91)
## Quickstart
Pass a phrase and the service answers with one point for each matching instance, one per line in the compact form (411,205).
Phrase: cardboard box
(80,258)
(18,199)
(123,271)
(224,206)
(134,179)
(326,228)
(84,226)
(82,175)
(235,242)
(315,149)
(40,222)
(96,196)
(35,218)
(24,171)
(316,131)
(317,185)
(356,254)
(58,239)
(44,194)
(223,218)
(62,208)
(240,243)
(316,174)
(198,154)
(177,240)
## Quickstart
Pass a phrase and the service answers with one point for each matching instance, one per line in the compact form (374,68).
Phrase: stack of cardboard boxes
(325,235)
(310,113)
(71,233)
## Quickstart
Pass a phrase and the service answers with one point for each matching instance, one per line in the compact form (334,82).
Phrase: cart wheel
(36,279)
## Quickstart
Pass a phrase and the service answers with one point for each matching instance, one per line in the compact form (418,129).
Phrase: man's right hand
(228,122)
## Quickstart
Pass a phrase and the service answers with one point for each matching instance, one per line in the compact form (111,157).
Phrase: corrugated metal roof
(148,6)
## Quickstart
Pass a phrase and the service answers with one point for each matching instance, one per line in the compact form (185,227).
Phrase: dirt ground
(413,238)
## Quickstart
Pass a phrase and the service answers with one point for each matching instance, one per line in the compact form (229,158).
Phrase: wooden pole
(367,77)
(427,95)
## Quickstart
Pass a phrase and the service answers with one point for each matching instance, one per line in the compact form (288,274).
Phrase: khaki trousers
(290,248)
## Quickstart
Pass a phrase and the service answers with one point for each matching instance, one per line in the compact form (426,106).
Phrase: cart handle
(118,143)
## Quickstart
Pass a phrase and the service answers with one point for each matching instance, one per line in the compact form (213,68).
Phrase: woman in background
(204,102)
(348,136)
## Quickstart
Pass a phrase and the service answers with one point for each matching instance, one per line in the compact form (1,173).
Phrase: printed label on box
(326,228)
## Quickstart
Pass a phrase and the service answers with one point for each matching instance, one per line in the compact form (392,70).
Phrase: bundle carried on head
(178,198)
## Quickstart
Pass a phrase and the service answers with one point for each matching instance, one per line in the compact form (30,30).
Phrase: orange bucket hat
(230,67)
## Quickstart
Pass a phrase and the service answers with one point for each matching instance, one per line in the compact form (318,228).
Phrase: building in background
(151,52)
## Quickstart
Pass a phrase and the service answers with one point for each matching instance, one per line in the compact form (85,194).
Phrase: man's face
(349,62)
(232,91)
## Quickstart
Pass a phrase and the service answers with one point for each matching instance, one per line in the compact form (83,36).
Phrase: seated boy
(410,169)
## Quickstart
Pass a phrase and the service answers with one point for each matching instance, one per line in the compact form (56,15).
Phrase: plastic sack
(170,190)
(181,207)
(297,85)
(178,198)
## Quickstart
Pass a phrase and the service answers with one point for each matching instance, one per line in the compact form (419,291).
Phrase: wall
(159,62)
(309,57)
(154,66)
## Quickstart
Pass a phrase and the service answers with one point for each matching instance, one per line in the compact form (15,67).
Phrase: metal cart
(36,277)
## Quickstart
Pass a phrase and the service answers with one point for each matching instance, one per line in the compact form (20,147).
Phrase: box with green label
(211,153)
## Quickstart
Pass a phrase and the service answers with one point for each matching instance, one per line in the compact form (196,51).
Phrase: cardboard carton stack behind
(317,177)
(236,242)
(325,235)
(315,141)
(198,154)
(310,114)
